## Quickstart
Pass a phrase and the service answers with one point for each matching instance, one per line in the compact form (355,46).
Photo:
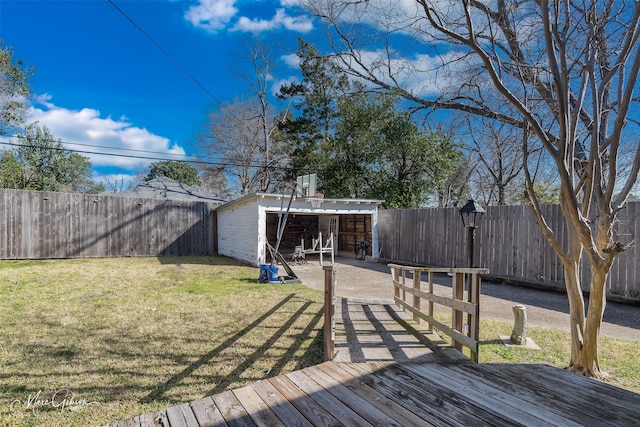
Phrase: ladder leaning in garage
(318,248)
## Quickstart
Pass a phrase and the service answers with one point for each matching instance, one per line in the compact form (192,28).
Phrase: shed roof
(168,189)
(310,200)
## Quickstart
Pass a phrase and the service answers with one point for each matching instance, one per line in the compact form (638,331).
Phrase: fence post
(329,311)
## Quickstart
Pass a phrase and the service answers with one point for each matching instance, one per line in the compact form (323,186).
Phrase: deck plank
(258,410)
(399,413)
(359,405)
(624,399)
(436,405)
(519,384)
(280,405)
(571,395)
(338,409)
(492,400)
(307,406)
(207,413)
(232,410)
(181,416)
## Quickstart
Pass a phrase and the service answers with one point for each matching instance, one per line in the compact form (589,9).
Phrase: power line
(116,148)
(124,149)
(129,156)
(165,53)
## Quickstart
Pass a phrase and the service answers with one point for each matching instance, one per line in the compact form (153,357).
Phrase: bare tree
(259,57)
(576,62)
(499,150)
(234,136)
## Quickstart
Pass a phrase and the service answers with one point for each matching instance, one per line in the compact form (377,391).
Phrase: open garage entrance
(349,230)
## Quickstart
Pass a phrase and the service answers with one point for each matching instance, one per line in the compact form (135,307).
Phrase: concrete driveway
(369,281)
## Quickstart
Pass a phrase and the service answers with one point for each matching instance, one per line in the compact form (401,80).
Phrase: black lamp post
(471,214)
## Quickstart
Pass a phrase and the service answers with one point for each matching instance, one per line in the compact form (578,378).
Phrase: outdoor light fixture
(471,213)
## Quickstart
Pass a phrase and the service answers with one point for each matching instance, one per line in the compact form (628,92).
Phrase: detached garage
(245,225)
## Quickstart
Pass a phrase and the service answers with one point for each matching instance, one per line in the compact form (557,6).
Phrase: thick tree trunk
(576,309)
(585,329)
(586,359)
(585,322)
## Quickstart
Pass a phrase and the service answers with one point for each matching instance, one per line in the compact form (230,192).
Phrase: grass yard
(91,341)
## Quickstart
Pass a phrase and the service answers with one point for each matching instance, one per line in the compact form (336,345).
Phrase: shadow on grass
(202,260)
(489,342)
(289,354)
(133,376)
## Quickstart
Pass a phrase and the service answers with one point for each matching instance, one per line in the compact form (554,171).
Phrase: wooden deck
(411,394)
(386,375)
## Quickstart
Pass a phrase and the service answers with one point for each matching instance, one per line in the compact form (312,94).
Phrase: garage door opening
(349,231)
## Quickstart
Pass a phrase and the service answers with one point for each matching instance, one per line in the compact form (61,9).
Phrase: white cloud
(211,15)
(87,127)
(301,24)
(292,60)
(290,3)
(216,15)
(419,74)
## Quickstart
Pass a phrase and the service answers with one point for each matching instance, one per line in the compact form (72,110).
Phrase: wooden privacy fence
(508,241)
(37,225)
(462,333)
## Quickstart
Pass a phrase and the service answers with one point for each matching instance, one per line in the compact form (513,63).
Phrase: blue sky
(99,81)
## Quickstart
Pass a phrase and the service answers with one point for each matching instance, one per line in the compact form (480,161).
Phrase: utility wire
(113,148)
(165,53)
(125,149)
(204,162)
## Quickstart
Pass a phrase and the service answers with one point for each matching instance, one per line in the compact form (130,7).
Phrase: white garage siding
(242,223)
(238,230)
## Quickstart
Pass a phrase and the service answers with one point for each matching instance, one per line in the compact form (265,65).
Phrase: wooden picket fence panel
(40,225)
(508,242)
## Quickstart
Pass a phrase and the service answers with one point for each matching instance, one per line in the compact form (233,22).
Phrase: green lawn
(113,338)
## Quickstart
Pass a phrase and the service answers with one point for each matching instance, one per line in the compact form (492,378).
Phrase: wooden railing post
(474,318)
(404,292)
(430,312)
(457,317)
(416,298)
(329,311)
(394,278)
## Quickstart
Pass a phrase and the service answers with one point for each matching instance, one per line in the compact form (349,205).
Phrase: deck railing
(329,328)
(407,280)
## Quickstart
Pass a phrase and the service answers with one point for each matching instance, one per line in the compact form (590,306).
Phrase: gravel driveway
(369,281)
